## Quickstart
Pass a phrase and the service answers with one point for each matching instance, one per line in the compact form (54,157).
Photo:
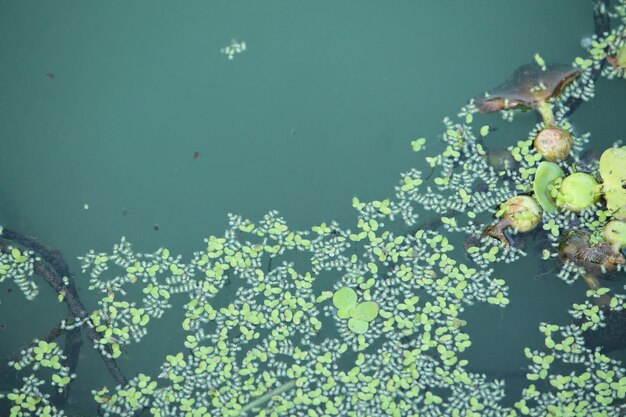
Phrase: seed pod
(614,232)
(613,173)
(554,143)
(613,167)
(500,158)
(520,212)
(578,191)
(616,202)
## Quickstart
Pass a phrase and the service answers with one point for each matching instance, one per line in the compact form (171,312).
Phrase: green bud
(578,191)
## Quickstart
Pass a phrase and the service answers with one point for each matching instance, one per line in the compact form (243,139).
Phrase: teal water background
(321,107)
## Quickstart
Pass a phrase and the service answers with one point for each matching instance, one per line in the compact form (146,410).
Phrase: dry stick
(47,271)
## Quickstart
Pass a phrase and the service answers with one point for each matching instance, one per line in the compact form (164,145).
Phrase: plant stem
(266,397)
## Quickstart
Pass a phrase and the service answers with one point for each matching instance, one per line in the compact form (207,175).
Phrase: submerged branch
(53,269)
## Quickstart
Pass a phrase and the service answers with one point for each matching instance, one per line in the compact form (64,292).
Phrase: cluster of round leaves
(254,330)
(47,355)
(608,52)
(568,378)
(30,399)
(17,265)
(358,314)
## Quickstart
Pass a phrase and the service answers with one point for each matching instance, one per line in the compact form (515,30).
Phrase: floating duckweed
(418,144)
(539,60)
(260,336)
(366,311)
(345,298)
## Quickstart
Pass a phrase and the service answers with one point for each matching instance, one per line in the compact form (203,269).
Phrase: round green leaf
(366,311)
(344,298)
(344,313)
(547,173)
(358,326)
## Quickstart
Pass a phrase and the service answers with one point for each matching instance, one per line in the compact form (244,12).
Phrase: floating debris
(233,49)
(522,87)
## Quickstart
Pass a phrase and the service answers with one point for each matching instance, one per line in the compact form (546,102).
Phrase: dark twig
(54,258)
(9,373)
(48,272)
(52,334)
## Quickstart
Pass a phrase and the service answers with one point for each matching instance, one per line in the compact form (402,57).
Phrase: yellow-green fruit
(616,202)
(621,57)
(614,232)
(613,173)
(520,212)
(523,211)
(554,143)
(578,191)
(613,167)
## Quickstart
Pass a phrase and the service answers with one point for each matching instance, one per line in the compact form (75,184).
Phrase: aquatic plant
(534,86)
(362,321)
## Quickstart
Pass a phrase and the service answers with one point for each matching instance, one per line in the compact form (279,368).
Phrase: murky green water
(119,118)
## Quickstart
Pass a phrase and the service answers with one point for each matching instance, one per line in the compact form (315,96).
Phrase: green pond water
(120,118)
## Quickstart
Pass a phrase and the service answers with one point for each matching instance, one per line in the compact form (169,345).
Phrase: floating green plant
(259,337)
(359,315)
(545,177)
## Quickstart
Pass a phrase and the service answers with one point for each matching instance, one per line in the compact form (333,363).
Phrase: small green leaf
(366,311)
(357,326)
(418,144)
(345,298)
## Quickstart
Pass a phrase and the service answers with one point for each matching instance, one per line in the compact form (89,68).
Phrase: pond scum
(368,321)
